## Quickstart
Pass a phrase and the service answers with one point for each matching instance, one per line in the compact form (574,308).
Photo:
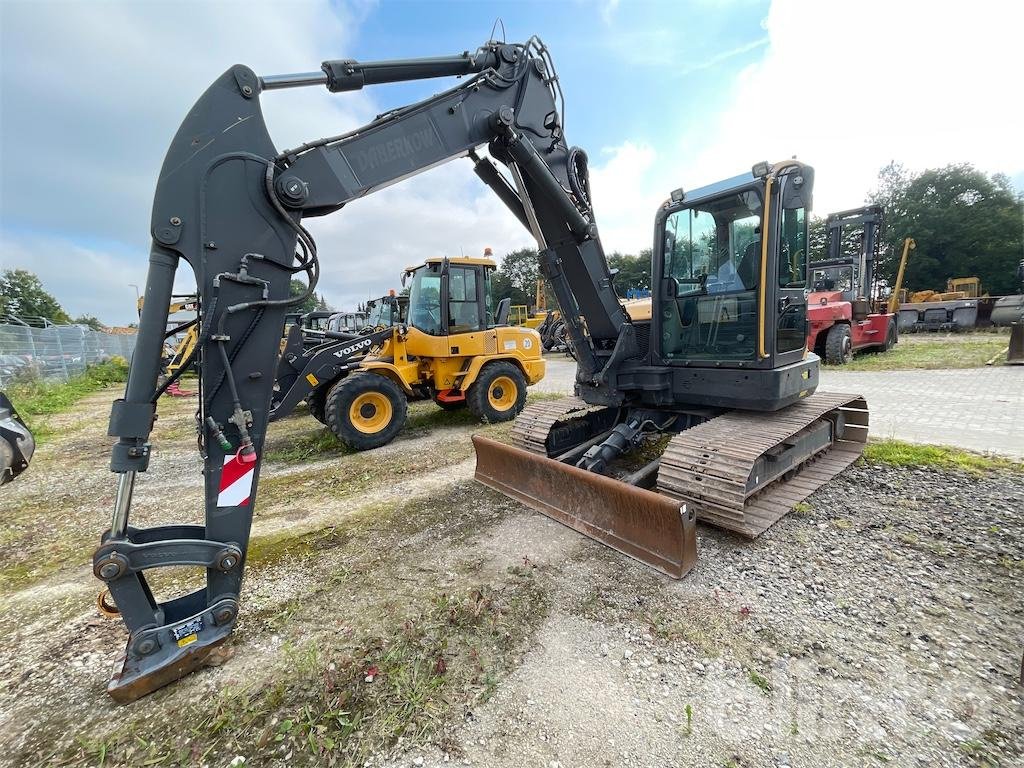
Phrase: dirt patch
(880,623)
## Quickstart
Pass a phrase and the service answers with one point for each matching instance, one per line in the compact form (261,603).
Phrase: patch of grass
(970,352)
(34,398)
(760,681)
(901,454)
(424,417)
(342,697)
(316,444)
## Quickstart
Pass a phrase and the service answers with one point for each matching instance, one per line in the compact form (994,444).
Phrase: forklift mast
(868,220)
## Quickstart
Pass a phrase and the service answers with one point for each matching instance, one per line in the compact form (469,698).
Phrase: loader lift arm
(231,205)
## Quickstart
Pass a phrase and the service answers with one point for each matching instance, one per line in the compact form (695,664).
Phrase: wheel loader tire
(458,405)
(366,410)
(890,337)
(838,345)
(498,394)
(317,403)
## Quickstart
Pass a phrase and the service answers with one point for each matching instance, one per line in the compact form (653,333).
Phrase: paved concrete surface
(981,409)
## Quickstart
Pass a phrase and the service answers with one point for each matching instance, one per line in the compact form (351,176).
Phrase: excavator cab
(731,266)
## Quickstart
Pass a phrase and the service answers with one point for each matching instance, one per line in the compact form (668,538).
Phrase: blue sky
(660,94)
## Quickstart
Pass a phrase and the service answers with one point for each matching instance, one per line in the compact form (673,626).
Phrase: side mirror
(504,307)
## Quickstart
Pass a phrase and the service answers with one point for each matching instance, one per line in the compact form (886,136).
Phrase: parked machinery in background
(1009,310)
(841,318)
(180,339)
(452,347)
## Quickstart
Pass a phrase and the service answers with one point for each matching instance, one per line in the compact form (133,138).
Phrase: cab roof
(467,261)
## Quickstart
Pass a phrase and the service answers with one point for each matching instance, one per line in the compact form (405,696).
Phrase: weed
(759,680)
(34,397)
(689,720)
(972,352)
(900,454)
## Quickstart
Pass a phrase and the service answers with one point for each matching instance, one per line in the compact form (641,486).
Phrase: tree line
(22,295)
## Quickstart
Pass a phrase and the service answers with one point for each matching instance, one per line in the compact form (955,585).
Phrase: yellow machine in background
(180,354)
(453,347)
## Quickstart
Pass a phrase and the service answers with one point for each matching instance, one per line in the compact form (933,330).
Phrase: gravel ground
(880,624)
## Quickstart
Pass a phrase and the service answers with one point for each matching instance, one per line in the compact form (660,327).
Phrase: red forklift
(841,316)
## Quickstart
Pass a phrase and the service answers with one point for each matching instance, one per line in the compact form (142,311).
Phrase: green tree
(522,268)
(965,224)
(22,294)
(634,271)
(90,321)
(298,288)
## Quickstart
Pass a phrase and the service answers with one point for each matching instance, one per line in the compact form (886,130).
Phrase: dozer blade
(656,530)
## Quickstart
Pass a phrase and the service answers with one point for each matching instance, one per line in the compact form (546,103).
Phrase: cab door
(789,276)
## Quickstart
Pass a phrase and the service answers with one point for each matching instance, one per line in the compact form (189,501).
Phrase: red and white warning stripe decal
(235,482)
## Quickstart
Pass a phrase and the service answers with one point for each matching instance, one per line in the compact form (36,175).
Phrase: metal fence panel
(56,352)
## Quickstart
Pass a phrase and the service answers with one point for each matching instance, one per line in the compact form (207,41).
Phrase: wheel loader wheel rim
(502,393)
(370,412)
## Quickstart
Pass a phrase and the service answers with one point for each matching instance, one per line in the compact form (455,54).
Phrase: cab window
(793,249)
(463,308)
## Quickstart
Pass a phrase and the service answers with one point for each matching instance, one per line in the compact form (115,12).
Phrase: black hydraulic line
(180,328)
(525,155)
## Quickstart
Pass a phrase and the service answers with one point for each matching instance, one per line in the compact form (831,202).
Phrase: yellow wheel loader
(454,347)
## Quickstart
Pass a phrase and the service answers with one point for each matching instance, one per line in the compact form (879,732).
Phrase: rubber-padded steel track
(709,466)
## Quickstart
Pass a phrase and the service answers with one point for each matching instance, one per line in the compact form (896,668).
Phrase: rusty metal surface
(654,529)
(709,466)
(126,685)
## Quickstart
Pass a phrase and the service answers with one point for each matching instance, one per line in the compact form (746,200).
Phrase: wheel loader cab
(448,297)
(452,330)
(731,265)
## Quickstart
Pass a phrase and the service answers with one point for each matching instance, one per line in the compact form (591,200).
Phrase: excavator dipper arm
(230,204)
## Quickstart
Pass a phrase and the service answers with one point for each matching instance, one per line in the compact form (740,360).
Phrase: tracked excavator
(720,369)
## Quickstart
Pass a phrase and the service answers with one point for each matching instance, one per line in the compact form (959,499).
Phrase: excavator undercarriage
(739,470)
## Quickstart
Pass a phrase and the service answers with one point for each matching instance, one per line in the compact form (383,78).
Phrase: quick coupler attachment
(166,640)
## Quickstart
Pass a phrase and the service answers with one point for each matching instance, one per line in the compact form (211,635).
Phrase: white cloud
(624,198)
(846,92)
(849,90)
(91,96)
(85,281)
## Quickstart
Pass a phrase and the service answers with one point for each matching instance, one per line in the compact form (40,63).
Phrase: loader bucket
(16,442)
(656,530)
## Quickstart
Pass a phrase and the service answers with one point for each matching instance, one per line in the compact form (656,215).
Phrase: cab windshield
(712,258)
(425,299)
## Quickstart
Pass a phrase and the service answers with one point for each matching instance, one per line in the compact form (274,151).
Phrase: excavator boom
(230,204)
